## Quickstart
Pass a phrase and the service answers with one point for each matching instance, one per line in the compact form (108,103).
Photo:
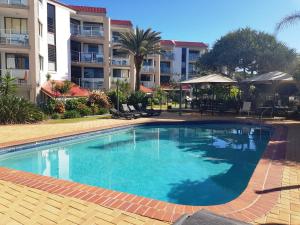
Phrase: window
(148,62)
(119,73)
(118,53)
(16,25)
(52,57)
(145,77)
(51,18)
(164,79)
(40,29)
(17,61)
(41,61)
(93,73)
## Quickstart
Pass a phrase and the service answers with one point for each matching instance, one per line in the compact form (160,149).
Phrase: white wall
(177,60)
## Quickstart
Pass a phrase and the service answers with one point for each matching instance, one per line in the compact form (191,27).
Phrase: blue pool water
(192,164)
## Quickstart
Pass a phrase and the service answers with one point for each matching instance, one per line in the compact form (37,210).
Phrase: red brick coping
(249,206)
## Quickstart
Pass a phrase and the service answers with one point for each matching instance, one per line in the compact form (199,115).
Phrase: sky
(203,20)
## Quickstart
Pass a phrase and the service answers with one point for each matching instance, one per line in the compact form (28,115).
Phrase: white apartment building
(78,43)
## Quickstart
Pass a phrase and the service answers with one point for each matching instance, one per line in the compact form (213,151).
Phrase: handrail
(15,2)
(88,31)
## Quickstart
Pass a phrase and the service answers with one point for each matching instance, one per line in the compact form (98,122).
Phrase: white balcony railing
(120,62)
(148,69)
(8,37)
(87,57)
(21,76)
(90,83)
(194,57)
(87,31)
(14,2)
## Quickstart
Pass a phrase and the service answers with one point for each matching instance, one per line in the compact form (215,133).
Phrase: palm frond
(288,21)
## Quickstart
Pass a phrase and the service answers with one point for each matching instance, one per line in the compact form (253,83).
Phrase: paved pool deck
(272,196)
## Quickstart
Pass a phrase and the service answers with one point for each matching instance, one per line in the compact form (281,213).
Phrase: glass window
(16,61)
(145,77)
(16,25)
(40,29)
(41,59)
(93,73)
(120,73)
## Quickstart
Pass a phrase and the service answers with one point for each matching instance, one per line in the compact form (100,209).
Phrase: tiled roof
(88,9)
(75,91)
(190,44)
(167,42)
(122,22)
(145,89)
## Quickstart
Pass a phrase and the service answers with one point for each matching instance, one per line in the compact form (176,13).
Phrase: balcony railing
(120,62)
(115,39)
(87,57)
(194,57)
(8,37)
(167,56)
(87,31)
(21,3)
(165,70)
(89,83)
(21,75)
(148,69)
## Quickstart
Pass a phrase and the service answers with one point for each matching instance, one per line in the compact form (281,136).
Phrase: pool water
(191,164)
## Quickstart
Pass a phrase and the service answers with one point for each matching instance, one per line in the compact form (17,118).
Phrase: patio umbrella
(212,79)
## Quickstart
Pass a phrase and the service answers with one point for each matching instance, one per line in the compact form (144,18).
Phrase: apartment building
(78,43)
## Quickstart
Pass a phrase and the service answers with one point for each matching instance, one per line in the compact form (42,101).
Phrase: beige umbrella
(271,77)
(210,79)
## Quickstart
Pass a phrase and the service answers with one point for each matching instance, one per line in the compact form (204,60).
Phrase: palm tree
(288,20)
(140,44)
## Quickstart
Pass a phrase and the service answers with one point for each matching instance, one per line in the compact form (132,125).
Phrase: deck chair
(151,112)
(133,110)
(127,110)
(115,114)
(246,108)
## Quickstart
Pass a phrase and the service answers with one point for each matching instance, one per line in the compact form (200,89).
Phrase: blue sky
(203,20)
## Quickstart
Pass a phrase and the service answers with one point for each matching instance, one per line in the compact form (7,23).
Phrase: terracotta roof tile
(75,91)
(190,44)
(88,9)
(122,22)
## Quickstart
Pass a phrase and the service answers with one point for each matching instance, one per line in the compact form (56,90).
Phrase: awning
(270,77)
(76,91)
(210,79)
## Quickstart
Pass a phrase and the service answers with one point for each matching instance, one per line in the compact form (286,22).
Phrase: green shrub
(95,109)
(113,97)
(15,110)
(72,104)
(103,111)
(84,110)
(49,106)
(55,116)
(71,114)
(138,97)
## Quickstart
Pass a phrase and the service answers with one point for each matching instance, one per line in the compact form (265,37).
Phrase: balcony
(194,57)
(115,39)
(21,75)
(7,37)
(87,31)
(120,62)
(148,69)
(165,70)
(87,57)
(148,84)
(89,83)
(168,56)
(14,3)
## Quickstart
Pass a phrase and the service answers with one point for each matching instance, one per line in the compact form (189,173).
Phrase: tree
(140,44)
(249,51)
(288,20)
(8,85)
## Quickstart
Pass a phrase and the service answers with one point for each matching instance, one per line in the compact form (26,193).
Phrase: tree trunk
(138,60)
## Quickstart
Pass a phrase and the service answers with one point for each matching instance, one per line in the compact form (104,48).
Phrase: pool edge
(247,207)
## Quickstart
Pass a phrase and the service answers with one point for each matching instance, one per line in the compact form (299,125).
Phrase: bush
(103,111)
(138,97)
(71,114)
(84,110)
(113,97)
(55,116)
(15,110)
(72,104)
(59,107)
(49,107)
(100,99)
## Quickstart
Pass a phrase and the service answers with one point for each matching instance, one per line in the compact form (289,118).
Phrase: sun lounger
(127,110)
(116,114)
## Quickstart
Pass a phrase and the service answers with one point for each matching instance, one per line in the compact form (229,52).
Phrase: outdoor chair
(115,114)
(150,112)
(133,110)
(127,110)
(246,108)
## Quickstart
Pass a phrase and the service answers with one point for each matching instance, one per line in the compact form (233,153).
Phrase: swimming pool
(188,163)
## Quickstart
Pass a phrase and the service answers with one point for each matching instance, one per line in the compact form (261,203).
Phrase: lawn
(77,120)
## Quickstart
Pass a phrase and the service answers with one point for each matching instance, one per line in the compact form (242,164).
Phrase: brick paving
(287,209)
